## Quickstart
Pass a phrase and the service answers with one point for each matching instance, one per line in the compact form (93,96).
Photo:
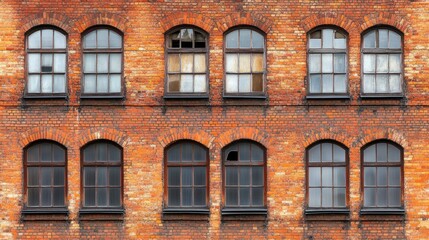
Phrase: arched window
(45,175)
(327,61)
(382,171)
(102,62)
(46,49)
(245,65)
(102,175)
(186,175)
(187,61)
(244,179)
(327,167)
(382,70)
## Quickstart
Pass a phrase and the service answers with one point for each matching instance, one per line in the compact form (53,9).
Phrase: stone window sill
(44,214)
(185,214)
(102,214)
(244,214)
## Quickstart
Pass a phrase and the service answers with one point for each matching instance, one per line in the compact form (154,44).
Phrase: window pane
(102,83)
(244,63)
(244,196)
(47,38)
(394,63)
(115,83)
(90,83)
(328,86)
(102,38)
(327,60)
(187,36)
(369,176)
(174,197)
(257,176)
(101,176)
(200,176)
(369,63)
(89,40)
(231,63)
(382,197)
(114,176)
(328,36)
(102,152)
(200,153)
(187,63)
(59,63)
(173,176)
(369,154)
(200,83)
(200,196)
(46,152)
(114,153)
(33,84)
(340,43)
(339,197)
(186,152)
(231,196)
(34,63)
(382,63)
(257,83)
(58,196)
(315,63)
(200,40)
(258,196)
(34,40)
(46,83)
(231,83)
(394,154)
(244,176)
(369,83)
(339,177)
(59,176)
(173,83)
(33,176)
(315,84)
(173,63)
(232,39)
(186,176)
(115,40)
(46,197)
(102,196)
(244,38)
(369,200)
(244,150)
(257,153)
(326,197)
(394,197)
(187,196)
(257,63)
(326,152)
(59,153)
(115,63)
(382,38)
(394,176)
(314,154)
(327,176)
(200,63)
(394,83)
(340,63)
(339,154)
(186,83)
(59,40)
(314,179)
(173,153)
(381,152)
(89,153)
(59,84)
(46,176)
(89,63)
(244,84)
(47,63)
(314,197)
(89,176)
(382,176)
(394,40)
(102,63)
(257,40)
(89,197)
(369,40)
(33,197)
(114,197)
(315,43)
(231,175)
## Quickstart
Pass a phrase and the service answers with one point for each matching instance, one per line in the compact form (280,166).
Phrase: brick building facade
(148,110)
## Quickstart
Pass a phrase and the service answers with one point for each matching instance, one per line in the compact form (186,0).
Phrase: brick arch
(93,134)
(371,134)
(382,18)
(55,19)
(187,18)
(245,18)
(40,133)
(328,18)
(89,20)
(243,133)
(326,134)
(172,135)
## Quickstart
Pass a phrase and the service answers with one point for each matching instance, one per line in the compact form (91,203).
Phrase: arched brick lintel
(382,18)
(328,18)
(176,134)
(45,18)
(370,135)
(245,18)
(43,133)
(243,133)
(93,134)
(89,20)
(326,134)
(187,18)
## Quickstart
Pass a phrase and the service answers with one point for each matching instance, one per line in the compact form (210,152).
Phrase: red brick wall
(285,123)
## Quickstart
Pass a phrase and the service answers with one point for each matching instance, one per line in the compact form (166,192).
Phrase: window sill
(227,96)
(185,96)
(102,214)
(342,211)
(102,96)
(382,211)
(45,214)
(382,96)
(203,211)
(45,97)
(328,97)
(187,214)
(244,214)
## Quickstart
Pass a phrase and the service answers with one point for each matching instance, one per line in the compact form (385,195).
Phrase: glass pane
(114,197)
(314,179)
(59,153)
(114,176)
(381,197)
(382,176)
(394,197)
(394,176)
(339,154)
(327,176)
(232,63)
(369,154)
(102,196)
(257,153)
(314,154)
(114,153)
(231,175)
(257,40)
(34,63)
(33,154)
(394,154)
(315,84)
(186,36)
(382,38)
(34,40)
(47,38)
(173,63)
(59,176)
(257,83)
(244,38)
(339,176)
(89,63)
(59,196)
(328,85)
(173,153)
(231,196)
(244,83)
(59,40)
(244,176)
(89,40)
(187,63)
(102,38)
(200,40)
(46,176)
(47,63)
(231,83)
(46,83)
(33,197)
(394,40)
(244,63)
(339,197)
(33,176)
(89,153)
(173,197)
(200,153)
(200,83)
(327,63)
(257,176)
(59,63)
(174,40)
(89,197)
(315,43)
(340,43)
(45,152)
(187,196)
(200,196)
(186,176)
(340,63)
(89,176)
(314,197)
(200,63)
(186,83)
(369,63)
(315,63)
(101,176)
(382,63)
(59,84)
(395,83)
(102,152)
(232,39)
(102,83)
(173,83)
(369,83)
(244,196)
(326,152)
(115,40)
(115,63)
(381,152)
(244,151)
(46,197)
(369,176)
(115,83)
(326,197)
(258,196)
(327,37)
(257,63)
(394,63)
(199,176)
(186,152)
(174,176)
(369,197)
(369,40)
(102,63)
